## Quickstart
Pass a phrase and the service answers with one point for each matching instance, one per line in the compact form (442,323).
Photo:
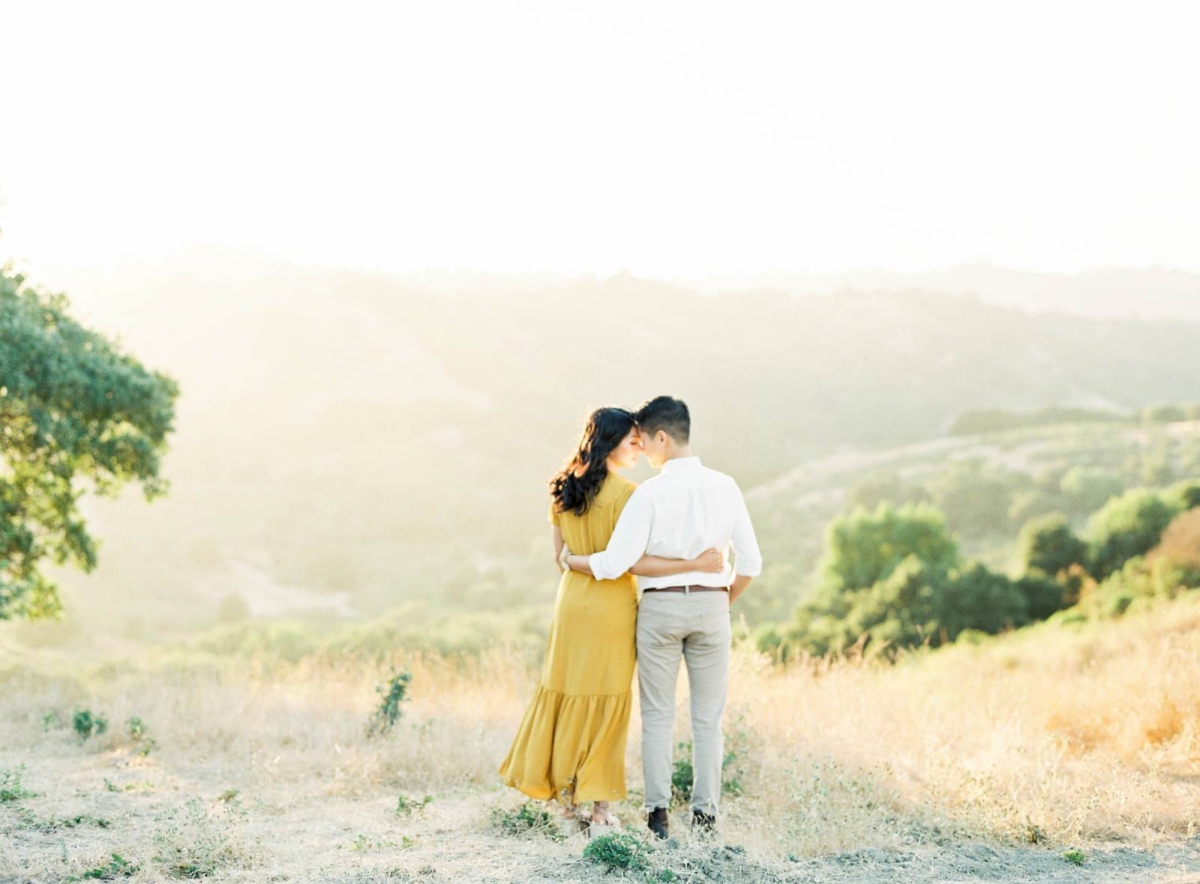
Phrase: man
(678,514)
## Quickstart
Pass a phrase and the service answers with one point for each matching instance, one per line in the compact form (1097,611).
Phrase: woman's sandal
(601,816)
(572,819)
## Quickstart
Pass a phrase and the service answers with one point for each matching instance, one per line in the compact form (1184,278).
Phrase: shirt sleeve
(629,539)
(745,544)
(553,512)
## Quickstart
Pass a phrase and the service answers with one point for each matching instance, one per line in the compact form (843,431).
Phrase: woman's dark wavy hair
(576,485)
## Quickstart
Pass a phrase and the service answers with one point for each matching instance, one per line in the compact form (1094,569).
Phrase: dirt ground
(224,822)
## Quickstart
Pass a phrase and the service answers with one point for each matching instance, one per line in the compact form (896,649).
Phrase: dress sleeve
(554,517)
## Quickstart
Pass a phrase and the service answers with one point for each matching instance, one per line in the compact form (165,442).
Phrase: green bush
(916,604)
(1139,579)
(683,775)
(1043,596)
(768,640)
(392,693)
(137,733)
(1163,414)
(1089,488)
(88,724)
(1183,496)
(11,788)
(620,851)
(530,818)
(1128,526)
(1048,545)
(406,806)
(116,867)
(863,547)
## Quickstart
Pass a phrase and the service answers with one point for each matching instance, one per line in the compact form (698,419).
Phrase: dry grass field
(1000,761)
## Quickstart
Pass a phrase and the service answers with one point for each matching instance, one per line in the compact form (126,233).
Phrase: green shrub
(619,851)
(11,788)
(1163,414)
(1048,545)
(1127,526)
(137,732)
(530,818)
(683,775)
(88,724)
(197,841)
(1042,595)
(1183,496)
(1089,488)
(917,603)
(863,547)
(116,867)
(768,640)
(1139,579)
(406,806)
(392,693)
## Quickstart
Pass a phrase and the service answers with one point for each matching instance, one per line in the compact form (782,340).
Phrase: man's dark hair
(666,414)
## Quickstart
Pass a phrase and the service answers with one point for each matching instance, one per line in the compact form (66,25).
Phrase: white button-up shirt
(679,514)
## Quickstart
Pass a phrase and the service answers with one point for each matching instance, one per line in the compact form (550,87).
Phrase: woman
(571,744)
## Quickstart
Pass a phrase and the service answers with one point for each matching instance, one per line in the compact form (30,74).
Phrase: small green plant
(618,851)
(406,806)
(110,786)
(683,775)
(11,788)
(137,732)
(392,693)
(1075,857)
(197,840)
(88,724)
(71,822)
(530,818)
(362,843)
(228,795)
(52,721)
(116,867)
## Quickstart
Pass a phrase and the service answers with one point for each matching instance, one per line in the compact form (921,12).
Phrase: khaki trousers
(695,627)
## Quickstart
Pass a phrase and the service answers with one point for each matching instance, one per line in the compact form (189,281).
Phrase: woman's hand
(562,558)
(711,561)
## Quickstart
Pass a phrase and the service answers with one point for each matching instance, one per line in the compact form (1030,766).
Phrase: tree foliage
(864,547)
(1127,526)
(1048,545)
(76,414)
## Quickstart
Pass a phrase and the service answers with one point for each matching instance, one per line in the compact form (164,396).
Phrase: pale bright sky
(670,139)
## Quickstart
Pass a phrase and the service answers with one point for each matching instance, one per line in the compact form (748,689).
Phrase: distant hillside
(343,433)
(1105,293)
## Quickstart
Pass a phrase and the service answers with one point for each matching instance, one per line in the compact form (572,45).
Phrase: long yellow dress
(571,743)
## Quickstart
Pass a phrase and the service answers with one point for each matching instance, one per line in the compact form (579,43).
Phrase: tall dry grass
(1056,734)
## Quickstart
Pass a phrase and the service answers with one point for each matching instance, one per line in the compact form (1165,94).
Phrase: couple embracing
(645,580)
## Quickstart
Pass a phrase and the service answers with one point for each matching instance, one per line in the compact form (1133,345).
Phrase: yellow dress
(571,743)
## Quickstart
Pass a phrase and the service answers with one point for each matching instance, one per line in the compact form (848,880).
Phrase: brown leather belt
(688,588)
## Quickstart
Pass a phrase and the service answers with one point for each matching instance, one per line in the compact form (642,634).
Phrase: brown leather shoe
(657,821)
(704,822)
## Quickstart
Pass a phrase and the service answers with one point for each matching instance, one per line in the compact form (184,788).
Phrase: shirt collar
(681,463)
